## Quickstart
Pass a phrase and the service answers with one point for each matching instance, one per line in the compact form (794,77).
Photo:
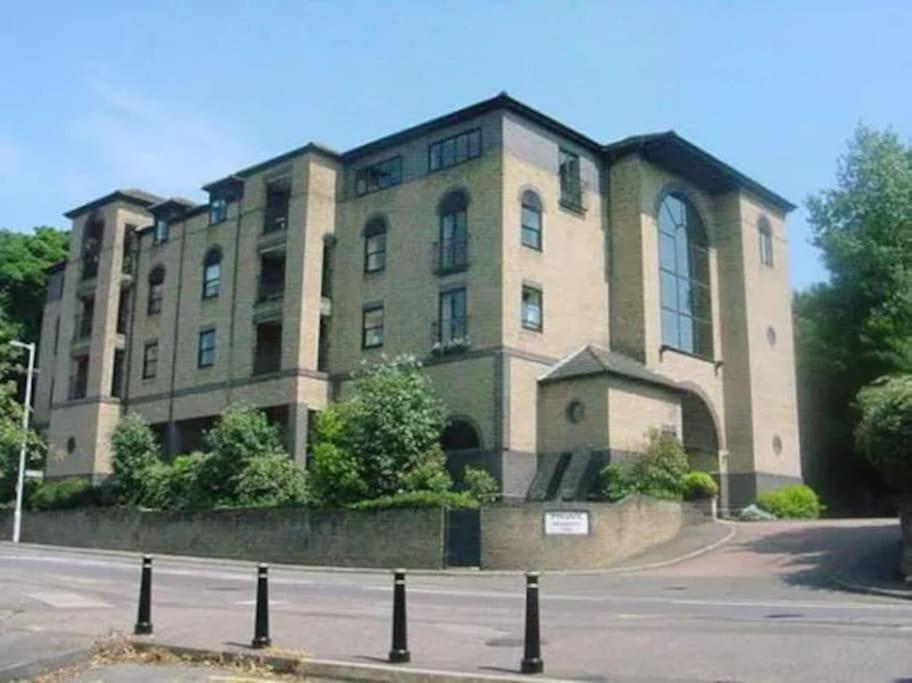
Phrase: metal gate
(463,538)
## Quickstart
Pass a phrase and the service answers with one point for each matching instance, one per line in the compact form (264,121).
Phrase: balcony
(270,288)
(451,256)
(450,336)
(89,266)
(82,327)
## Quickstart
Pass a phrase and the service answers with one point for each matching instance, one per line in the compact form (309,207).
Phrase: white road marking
(64,600)
(272,603)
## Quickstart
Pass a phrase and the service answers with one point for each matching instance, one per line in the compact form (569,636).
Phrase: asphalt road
(761,608)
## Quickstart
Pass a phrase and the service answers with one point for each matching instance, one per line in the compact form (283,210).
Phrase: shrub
(134,450)
(796,501)
(270,481)
(64,494)
(418,499)
(335,476)
(480,485)
(698,486)
(657,472)
(427,473)
(884,432)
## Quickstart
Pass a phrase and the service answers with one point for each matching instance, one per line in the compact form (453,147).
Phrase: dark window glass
(454,150)
(684,278)
(278,200)
(375,246)
(206,355)
(212,273)
(531,220)
(372,328)
(452,249)
(453,321)
(532,310)
(379,176)
(156,290)
(766,243)
(571,184)
(150,360)
(161,231)
(218,210)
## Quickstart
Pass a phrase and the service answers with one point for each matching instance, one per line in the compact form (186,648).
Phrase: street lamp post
(26,407)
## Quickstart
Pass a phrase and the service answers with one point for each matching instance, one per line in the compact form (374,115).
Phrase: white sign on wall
(566,523)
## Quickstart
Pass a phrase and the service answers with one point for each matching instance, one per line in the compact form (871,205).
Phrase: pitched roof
(127,194)
(594,360)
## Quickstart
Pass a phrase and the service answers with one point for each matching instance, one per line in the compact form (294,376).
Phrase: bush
(480,485)
(64,494)
(658,472)
(419,499)
(791,502)
(427,473)
(698,486)
(754,514)
(134,450)
(884,432)
(270,481)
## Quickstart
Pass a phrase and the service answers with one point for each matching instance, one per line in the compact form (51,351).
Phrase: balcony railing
(270,288)
(82,328)
(451,256)
(450,335)
(275,219)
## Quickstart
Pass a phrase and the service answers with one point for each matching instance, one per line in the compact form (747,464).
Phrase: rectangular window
(766,248)
(267,356)
(272,276)
(454,150)
(218,210)
(150,360)
(532,311)
(117,374)
(375,253)
(156,292)
(278,199)
(206,356)
(379,176)
(212,277)
(571,185)
(161,231)
(531,227)
(79,381)
(372,327)
(453,321)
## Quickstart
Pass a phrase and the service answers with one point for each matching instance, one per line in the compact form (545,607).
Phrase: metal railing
(275,219)
(451,255)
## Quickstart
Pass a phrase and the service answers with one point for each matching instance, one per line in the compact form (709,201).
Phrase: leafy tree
(270,481)
(134,451)
(858,326)
(884,432)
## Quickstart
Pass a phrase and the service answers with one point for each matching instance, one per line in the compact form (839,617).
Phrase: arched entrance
(459,435)
(700,431)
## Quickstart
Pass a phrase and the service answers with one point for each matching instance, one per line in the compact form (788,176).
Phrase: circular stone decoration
(771,335)
(576,411)
(71,444)
(777,445)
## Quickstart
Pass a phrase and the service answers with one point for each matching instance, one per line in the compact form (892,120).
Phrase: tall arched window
(684,277)
(375,245)
(531,220)
(452,249)
(766,241)
(156,290)
(212,273)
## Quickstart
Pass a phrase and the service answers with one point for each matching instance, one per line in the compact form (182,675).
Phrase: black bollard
(399,653)
(532,662)
(144,616)
(261,637)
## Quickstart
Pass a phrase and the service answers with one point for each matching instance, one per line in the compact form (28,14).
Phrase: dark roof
(669,150)
(130,194)
(177,204)
(54,267)
(594,360)
(313,147)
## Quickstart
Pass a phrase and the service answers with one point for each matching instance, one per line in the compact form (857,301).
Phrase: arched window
(766,241)
(684,277)
(531,220)
(375,245)
(212,273)
(452,249)
(459,435)
(156,290)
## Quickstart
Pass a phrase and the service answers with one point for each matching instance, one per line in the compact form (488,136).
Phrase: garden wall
(518,537)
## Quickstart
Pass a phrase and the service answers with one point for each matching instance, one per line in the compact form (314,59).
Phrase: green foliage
(796,501)
(657,472)
(419,499)
(884,432)
(427,473)
(64,494)
(133,451)
(698,486)
(480,485)
(335,476)
(270,481)
(858,326)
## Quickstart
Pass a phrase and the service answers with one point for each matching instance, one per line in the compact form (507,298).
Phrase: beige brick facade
(288,316)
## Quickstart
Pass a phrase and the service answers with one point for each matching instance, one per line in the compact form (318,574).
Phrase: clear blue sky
(169,95)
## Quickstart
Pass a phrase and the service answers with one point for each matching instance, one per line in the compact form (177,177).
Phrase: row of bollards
(399,653)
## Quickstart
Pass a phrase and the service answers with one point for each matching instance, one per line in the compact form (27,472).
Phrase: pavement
(761,607)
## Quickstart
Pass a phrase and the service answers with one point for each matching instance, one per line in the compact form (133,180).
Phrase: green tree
(858,326)
(134,452)
(884,432)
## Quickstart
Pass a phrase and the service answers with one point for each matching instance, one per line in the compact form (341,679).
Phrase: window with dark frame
(571,185)
(372,327)
(766,242)
(161,230)
(156,290)
(531,220)
(684,278)
(150,360)
(375,246)
(454,150)
(278,201)
(532,309)
(452,319)
(451,252)
(379,176)
(218,210)
(212,273)
(206,355)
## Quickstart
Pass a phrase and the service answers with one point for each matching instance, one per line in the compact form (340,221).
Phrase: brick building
(566,297)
